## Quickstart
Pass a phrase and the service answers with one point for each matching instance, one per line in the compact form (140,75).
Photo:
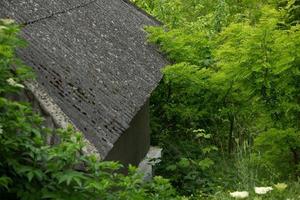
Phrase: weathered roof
(92,58)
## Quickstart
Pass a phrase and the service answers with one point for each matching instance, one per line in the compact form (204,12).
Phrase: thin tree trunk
(296,159)
(230,135)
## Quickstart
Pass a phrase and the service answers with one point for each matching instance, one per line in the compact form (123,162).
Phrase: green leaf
(171,167)
(5,181)
(206,163)
(70,176)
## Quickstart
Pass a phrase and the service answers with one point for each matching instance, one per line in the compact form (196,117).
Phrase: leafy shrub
(293,8)
(234,73)
(292,191)
(281,149)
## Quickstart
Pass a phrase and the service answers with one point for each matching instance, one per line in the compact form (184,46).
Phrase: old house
(94,69)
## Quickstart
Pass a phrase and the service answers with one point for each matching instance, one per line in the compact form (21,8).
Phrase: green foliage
(293,15)
(280,149)
(32,169)
(189,170)
(234,74)
(291,192)
(182,47)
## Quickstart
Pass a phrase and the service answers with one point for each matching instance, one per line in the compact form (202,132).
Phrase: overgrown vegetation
(227,111)
(31,169)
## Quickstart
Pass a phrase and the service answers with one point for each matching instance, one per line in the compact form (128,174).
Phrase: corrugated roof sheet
(92,57)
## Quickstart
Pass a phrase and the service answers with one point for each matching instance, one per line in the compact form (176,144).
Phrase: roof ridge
(143,12)
(88,3)
(59,12)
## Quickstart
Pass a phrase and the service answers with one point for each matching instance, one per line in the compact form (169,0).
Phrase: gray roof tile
(92,58)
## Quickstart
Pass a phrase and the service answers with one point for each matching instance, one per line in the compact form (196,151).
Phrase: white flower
(240,195)
(262,190)
(13,83)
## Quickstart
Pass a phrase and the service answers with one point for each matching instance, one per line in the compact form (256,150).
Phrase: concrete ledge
(146,165)
(61,120)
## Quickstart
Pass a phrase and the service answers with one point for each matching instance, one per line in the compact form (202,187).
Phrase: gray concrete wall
(134,143)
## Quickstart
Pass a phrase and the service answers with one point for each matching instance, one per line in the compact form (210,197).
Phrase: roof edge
(58,12)
(60,119)
(143,12)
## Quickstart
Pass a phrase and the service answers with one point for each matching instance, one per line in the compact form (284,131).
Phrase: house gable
(92,59)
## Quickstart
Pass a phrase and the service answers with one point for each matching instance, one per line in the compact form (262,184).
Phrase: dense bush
(234,74)
(32,169)
(281,151)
